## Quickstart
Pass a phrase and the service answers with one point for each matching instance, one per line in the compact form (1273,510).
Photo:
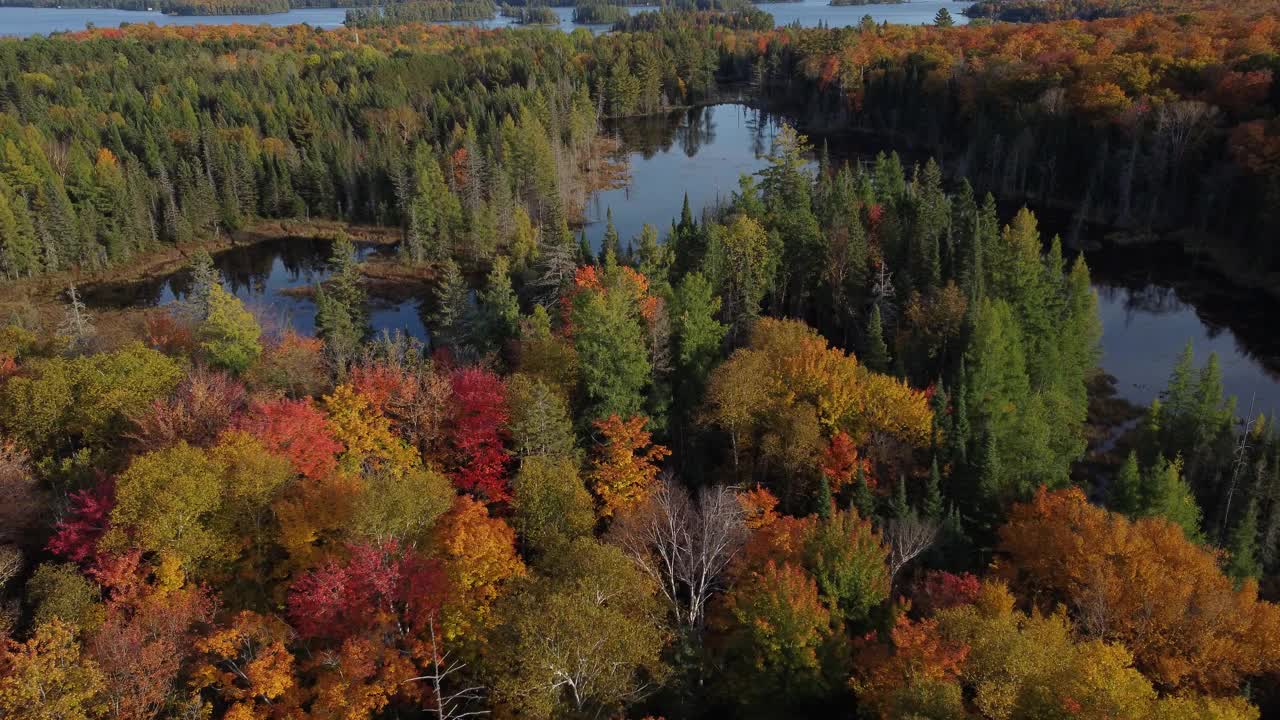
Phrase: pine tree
(1167,494)
(862,499)
(899,506)
(1126,488)
(452,325)
(933,493)
(204,276)
(611,245)
(943,19)
(823,500)
(1244,546)
(498,303)
(876,354)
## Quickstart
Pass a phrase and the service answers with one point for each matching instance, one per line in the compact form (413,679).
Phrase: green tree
(584,640)
(740,264)
(1244,546)
(847,559)
(540,424)
(499,307)
(1126,488)
(698,334)
(551,503)
(61,592)
(876,353)
(229,334)
(1167,494)
(943,19)
(614,360)
(342,318)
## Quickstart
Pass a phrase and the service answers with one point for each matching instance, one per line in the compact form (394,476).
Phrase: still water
(1151,302)
(24,21)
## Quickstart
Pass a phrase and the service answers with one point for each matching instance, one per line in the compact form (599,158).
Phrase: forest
(815,451)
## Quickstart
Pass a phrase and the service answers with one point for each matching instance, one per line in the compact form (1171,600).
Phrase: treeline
(598,12)
(530,14)
(407,12)
(1185,145)
(746,17)
(843,3)
(222,147)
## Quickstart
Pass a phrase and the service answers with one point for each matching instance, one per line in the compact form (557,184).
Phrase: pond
(1151,301)
(24,21)
(273,278)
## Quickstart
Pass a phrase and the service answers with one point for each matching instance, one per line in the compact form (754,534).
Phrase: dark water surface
(24,21)
(1152,300)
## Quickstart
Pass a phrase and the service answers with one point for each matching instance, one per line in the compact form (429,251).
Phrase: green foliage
(229,333)
(67,403)
(551,503)
(847,560)
(61,592)
(610,340)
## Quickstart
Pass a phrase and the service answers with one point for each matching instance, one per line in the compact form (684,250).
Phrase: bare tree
(684,546)
(907,537)
(10,564)
(447,704)
(77,324)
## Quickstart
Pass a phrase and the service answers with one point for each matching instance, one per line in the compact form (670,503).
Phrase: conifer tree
(1244,546)
(876,354)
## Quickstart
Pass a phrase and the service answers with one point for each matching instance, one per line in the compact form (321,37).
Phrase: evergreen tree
(876,353)
(453,322)
(862,499)
(933,493)
(229,334)
(611,245)
(943,19)
(899,507)
(1166,494)
(1126,488)
(499,306)
(822,502)
(1244,546)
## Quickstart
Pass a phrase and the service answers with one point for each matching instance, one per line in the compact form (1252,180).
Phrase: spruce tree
(862,499)
(933,493)
(876,354)
(1126,488)
(822,502)
(1244,546)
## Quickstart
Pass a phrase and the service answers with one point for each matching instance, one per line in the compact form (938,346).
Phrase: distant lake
(23,21)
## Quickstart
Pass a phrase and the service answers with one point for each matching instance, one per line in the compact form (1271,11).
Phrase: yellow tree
(478,554)
(45,678)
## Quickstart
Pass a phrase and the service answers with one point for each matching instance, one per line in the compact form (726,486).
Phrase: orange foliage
(478,554)
(1144,585)
(627,464)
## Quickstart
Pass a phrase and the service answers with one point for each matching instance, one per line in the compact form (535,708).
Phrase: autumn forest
(838,445)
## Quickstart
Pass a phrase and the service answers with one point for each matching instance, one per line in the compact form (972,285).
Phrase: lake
(24,21)
(1151,300)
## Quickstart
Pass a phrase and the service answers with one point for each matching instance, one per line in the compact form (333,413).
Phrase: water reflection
(1151,300)
(273,278)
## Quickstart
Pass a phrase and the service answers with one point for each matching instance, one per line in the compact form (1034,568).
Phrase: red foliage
(140,648)
(168,334)
(383,385)
(296,429)
(941,590)
(840,462)
(479,420)
(76,535)
(198,411)
(375,585)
